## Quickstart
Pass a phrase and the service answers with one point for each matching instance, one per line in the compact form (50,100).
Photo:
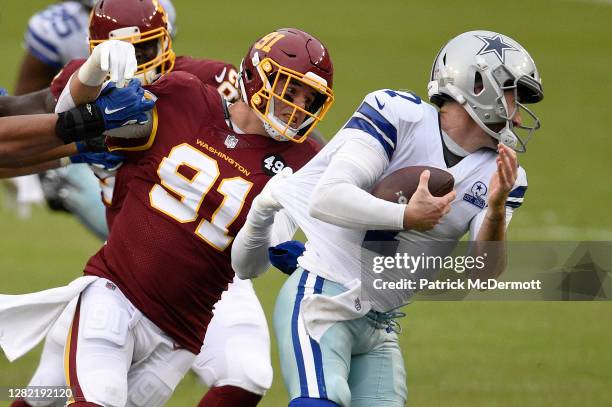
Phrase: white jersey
(408,133)
(59,33)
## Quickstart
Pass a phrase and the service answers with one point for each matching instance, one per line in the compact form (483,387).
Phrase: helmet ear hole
(478,84)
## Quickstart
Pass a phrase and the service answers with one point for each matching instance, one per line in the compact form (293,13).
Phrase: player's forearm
(38,102)
(491,243)
(44,158)
(346,205)
(250,251)
(33,169)
(21,138)
(80,92)
(340,197)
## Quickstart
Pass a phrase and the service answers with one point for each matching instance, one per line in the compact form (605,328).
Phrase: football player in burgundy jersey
(242,383)
(182,195)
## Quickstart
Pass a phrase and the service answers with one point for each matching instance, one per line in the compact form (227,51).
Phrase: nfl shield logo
(231,141)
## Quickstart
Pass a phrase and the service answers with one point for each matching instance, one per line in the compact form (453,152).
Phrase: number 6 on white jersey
(192,192)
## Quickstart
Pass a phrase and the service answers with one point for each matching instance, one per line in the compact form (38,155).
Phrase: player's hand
(284,255)
(123,107)
(112,57)
(504,178)
(107,161)
(266,199)
(424,210)
(265,205)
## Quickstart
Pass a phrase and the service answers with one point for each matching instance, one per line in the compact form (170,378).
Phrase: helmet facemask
(524,88)
(277,82)
(148,66)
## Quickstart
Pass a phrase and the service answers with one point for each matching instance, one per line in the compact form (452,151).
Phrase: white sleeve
(515,200)
(340,197)
(283,229)
(250,249)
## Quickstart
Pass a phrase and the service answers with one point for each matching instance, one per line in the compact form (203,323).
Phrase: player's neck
(245,119)
(460,127)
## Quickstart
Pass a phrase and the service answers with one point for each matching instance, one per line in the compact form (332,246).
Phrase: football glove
(106,160)
(121,107)
(284,256)
(113,109)
(112,57)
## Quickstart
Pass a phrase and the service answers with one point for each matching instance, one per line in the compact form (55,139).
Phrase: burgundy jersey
(219,74)
(183,200)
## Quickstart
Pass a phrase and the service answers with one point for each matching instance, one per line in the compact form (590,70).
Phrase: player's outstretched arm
(250,247)
(22,137)
(29,170)
(37,102)
(25,136)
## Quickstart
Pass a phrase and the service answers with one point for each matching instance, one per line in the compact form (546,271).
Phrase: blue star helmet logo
(496,45)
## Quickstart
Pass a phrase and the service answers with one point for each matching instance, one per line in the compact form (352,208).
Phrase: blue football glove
(123,106)
(284,256)
(108,161)
(3,91)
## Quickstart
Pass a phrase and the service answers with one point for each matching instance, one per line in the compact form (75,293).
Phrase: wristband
(91,75)
(80,123)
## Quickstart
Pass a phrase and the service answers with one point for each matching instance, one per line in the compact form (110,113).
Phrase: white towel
(25,319)
(319,312)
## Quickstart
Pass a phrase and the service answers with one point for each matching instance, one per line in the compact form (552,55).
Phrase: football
(401,184)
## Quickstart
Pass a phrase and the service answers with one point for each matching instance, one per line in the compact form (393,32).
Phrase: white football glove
(265,205)
(112,57)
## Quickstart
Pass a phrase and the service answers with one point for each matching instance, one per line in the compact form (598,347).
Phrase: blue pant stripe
(299,358)
(316,349)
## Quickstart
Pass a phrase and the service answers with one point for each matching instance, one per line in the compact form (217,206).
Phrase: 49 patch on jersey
(272,164)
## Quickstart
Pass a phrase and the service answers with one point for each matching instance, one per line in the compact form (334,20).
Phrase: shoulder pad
(405,106)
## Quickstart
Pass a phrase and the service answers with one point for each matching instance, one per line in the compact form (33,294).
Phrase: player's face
(511,103)
(297,93)
(146,51)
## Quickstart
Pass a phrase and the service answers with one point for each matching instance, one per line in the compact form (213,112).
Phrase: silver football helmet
(474,69)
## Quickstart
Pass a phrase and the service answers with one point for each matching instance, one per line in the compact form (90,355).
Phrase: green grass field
(456,353)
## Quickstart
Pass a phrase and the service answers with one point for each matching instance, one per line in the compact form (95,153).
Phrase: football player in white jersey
(333,348)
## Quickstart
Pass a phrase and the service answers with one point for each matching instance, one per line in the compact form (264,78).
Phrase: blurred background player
(355,359)
(54,37)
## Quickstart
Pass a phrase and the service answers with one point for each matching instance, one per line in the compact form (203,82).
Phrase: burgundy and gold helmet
(283,56)
(144,23)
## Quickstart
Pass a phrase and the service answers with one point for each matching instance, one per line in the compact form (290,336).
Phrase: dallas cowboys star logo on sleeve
(495,45)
